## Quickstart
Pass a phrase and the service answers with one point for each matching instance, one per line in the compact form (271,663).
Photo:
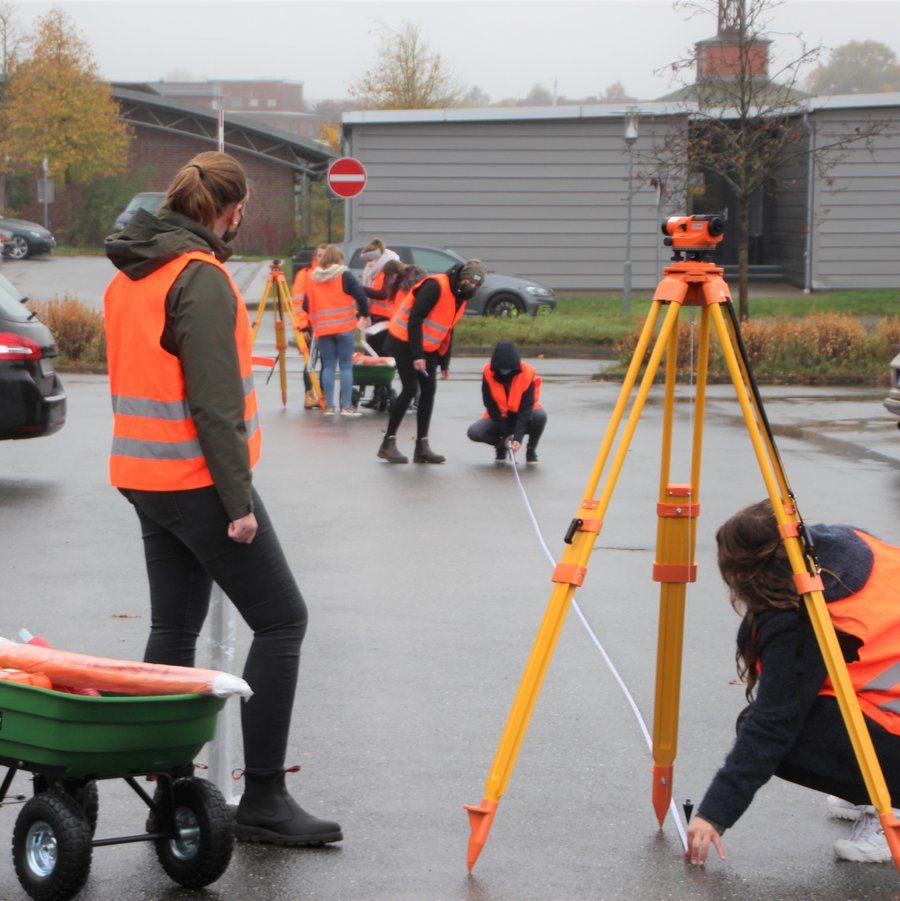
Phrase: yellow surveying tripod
(283,308)
(689,281)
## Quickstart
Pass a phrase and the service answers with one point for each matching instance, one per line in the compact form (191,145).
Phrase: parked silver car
(500,295)
(892,401)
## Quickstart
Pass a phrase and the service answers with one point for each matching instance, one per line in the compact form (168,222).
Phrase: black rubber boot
(424,454)
(500,453)
(531,454)
(388,451)
(267,813)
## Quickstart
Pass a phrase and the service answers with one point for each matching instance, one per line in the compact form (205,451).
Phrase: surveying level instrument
(690,280)
(283,308)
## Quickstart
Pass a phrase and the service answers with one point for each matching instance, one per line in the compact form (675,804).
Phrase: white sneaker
(843,810)
(867,842)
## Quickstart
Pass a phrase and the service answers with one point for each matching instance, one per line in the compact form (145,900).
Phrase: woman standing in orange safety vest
(510,390)
(185,440)
(421,334)
(298,299)
(793,727)
(336,304)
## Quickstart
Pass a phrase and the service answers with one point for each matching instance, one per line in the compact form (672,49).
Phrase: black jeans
(487,431)
(412,380)
(186,547)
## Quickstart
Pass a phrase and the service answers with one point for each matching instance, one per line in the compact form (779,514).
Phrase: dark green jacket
(201,312)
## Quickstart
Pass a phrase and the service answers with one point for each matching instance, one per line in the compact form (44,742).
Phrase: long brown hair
(204,187)
(754,564)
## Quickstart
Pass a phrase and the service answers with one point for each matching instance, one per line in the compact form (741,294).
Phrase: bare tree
(744,119)
(11,38)
(407,74)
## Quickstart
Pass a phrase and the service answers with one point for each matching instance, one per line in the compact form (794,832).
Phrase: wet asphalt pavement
(426,587)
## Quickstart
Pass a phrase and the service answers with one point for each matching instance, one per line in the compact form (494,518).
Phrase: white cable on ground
(628,696)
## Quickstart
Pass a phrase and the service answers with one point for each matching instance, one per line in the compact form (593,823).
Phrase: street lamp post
(631,135)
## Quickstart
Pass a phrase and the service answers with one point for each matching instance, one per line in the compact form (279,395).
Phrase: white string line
(615,673)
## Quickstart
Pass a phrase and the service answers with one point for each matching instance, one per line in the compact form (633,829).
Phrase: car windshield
(149,202)
(432,260)
(11,307)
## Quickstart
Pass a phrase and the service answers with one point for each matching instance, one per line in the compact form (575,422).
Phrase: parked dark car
(500,295)
(32,399)
(150,201)
(27,239)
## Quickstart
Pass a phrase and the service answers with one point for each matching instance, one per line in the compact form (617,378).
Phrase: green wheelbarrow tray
(373,374)
(78,737)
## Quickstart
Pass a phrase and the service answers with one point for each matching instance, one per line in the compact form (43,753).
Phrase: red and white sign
(346,177)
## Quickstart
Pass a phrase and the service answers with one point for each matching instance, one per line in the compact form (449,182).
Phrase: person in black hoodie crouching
(511,390)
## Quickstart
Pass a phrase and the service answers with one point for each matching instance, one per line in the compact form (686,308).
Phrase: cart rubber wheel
(52,847)
(85,794)
(202,851)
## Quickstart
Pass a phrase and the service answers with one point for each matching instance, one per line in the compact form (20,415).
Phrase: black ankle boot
(267,813)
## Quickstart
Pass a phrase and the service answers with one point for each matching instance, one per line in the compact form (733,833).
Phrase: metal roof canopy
(150,110)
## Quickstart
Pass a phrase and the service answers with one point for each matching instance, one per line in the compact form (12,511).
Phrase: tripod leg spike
(480,821)
(662,791)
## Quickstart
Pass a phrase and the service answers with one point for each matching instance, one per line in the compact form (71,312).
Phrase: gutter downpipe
(810,201)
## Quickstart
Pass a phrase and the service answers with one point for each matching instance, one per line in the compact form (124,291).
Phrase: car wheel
(504,306)
(16,248)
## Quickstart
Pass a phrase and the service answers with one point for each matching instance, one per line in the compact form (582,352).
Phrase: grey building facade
(543,192)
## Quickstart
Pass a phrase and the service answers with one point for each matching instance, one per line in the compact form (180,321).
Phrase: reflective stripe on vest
(510,403)
(872,614)
(437,328)
(155,445)
(331,310)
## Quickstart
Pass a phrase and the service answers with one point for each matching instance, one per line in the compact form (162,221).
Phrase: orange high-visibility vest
(438,327)
(510,403)
(331,310)
(381,306)
(155,445)
(872,614)
(298,292)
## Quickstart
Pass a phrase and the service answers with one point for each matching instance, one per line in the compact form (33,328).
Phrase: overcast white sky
(504,47)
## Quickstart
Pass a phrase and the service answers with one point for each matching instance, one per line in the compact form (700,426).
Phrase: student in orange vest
(185,440)
(793,727)
(511,391)
(298,298)
(377,255)
(336,304)
(421,336)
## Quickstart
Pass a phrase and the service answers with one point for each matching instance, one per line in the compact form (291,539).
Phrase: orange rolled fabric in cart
(128,677)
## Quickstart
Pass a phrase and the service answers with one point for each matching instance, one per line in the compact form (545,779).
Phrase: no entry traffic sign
(346,177)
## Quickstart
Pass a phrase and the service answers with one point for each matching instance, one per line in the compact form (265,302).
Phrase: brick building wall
(156,156)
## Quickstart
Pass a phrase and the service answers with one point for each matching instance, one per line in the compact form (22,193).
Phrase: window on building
(271,103)
(254,102)
(237,102)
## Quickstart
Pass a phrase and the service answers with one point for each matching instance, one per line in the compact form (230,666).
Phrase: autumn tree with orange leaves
(54,106)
